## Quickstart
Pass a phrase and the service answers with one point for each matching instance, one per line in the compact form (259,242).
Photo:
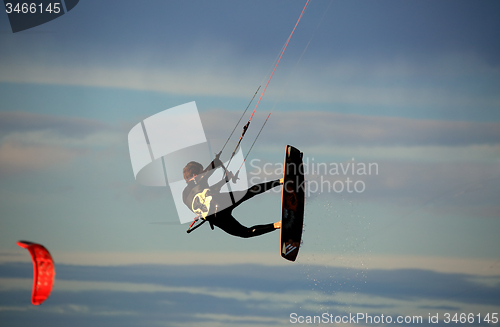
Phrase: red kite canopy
(43,271)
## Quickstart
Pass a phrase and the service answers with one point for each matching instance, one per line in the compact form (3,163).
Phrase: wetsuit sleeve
(216,163)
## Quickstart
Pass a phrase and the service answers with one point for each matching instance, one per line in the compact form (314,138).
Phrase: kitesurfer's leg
(231,226)
(254,190)
(225,221)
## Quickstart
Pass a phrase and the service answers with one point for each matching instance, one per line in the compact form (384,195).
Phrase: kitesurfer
(208,203)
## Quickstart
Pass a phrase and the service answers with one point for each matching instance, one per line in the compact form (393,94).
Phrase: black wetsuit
(222,204)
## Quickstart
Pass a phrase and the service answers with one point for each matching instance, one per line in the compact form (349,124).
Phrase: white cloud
(15,157)
(190,81)
(465,265)
(46,138)
(330,134)
(13,308)
(451,154)
(31,142)
(221,71)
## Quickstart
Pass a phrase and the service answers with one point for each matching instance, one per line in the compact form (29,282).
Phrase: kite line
(283,51)
(262,94)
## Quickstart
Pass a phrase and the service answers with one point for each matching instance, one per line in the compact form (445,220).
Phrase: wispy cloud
(16,157)
(439,264)
(243,294)
(35,142)
(447,82)
(344,129)
(336,129)
(28,122)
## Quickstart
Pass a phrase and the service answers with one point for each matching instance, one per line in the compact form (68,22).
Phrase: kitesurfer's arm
(216,163)
(207,172)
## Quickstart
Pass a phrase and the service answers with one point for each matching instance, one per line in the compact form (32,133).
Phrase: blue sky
(412,86)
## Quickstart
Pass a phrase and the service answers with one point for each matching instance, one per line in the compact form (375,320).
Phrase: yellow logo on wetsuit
(201,203)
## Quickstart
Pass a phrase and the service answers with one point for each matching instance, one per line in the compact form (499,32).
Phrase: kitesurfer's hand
(234,178)
(217,161)
(229,176)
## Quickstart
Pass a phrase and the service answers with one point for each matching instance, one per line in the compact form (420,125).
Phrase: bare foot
(277,225)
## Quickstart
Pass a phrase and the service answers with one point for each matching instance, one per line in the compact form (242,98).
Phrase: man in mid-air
(209,204)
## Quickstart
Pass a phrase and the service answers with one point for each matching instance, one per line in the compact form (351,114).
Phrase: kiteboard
(292,203)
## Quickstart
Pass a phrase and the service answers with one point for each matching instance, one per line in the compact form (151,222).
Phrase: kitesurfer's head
(192,169)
